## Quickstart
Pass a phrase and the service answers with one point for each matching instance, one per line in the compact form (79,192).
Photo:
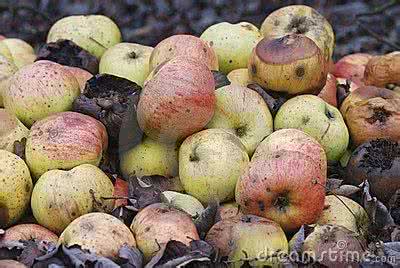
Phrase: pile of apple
(266,169)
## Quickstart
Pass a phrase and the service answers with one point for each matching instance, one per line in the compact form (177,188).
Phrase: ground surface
(148,22)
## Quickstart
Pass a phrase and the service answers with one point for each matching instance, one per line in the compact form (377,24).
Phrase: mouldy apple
(7,70)
(292,63)
(287,187)
(15,188)
(150,158)
(29,232)
(239,77)
(377,161)
(177,101)
(127,60)
(249,237)
(210,163)
(159,223)
(184,202)
(383,70)
(244,113)
(186,46)
(329,91)
(11,130)
(99,233)
(40,89)
(63,141)
(343,211)
(61,196)
(94,33)
(81,76)
(21,53)
(352,67)
(317,118)
(228,210)
(371,113)
(290,140)
(301,19)
(233,43)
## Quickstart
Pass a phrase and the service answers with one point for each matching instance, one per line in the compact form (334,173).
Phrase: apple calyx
(328,113)
(132,55)
(241,131)
(282,202)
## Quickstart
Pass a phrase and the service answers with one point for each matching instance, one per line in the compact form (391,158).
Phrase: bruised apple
(329,91)
(100,233)
(383,70)
(159,223)
(371,113)
(63,141)
(287,187)
(292,63)
(352,67)
(29,231)
(39,90)
(11,130)
(184,45)
(177,101)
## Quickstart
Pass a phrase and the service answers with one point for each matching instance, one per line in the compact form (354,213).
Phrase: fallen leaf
(141,195)
(207,219)
(346,190)
(130,257)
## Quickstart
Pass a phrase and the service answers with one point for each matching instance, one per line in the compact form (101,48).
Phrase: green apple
(242,112)
(317,118)
(210,163)
(127,60)
(94,33)
(7,69)
(15,188)
(150,157)
(233,43)
(11,130)
(239,77)
(20,52)
(61,196)
(184,202)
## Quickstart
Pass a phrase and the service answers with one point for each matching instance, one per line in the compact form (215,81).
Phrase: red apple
(2,37)
(177,101)
(352,67)
(28,232)
(287,187)
(328,92)
(81,76)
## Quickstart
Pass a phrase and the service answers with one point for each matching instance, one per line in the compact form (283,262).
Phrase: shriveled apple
(99,233)
(184,45)
(177,101)
(239,77)
(63,141)
(15,188)
(383,70)
(329,91)
(159,223)
(292,63)
(29,232)
(39,90)
(11,130)
(352,67)
(371,113)
(288,188)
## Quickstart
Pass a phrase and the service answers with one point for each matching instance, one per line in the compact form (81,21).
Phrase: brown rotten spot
(383,70)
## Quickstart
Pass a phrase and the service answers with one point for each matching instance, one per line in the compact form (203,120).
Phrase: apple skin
(186,46)
(61,196)
(127,60)
(372,113)
(21,52)
(329,91)
(81,75)
(336,211)
(94,33)
(292,63)
(177,101)
(317,118)
(29,232)
(228,210)
(383,70)
(92,230)
(233,43)
(210,163)
(159,223)
(150,158)
(16,187)
(301,19)
(64,141)
(244,113)
(352,67)
(249,237)
(40,89)
(239,77)
(7,70)
(288,188)
(12,130)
